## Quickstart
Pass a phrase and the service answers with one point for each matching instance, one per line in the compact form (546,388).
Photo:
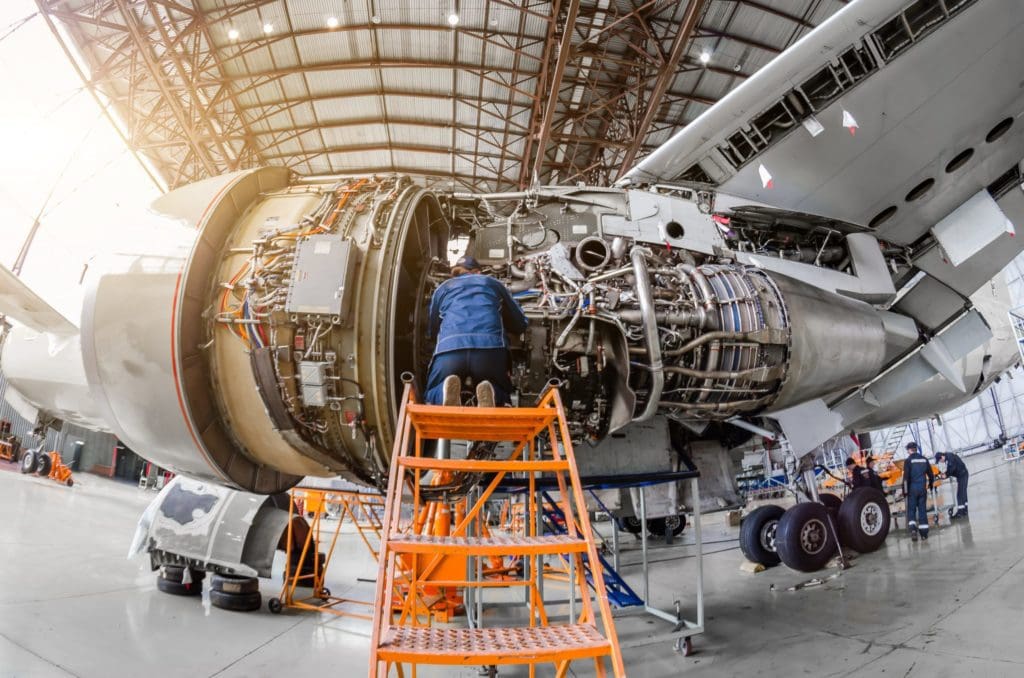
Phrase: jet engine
(270,344)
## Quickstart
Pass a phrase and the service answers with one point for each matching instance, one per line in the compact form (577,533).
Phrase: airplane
(819,253)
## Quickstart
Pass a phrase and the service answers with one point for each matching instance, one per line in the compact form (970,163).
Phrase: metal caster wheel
(274,605)
(684,646)
(325,594)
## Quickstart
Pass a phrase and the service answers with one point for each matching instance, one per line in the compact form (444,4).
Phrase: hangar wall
(98,450)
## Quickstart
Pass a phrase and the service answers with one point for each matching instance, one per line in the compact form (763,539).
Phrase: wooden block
(752,568)
(732,518)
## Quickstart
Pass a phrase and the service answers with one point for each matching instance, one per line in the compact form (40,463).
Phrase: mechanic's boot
(962,513)
(913,533)
(924,534)
(452,391)
(484,394)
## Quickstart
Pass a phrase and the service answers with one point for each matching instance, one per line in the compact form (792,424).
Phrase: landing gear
(170,580)
(804,538)
(758,535)
(831,502)
(240,594)
(659,526)
(864,520)
(29,461)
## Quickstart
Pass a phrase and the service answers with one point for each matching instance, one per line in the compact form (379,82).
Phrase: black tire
(632,524)
(758,534)
(656,526)
(832,503)
(864,520)
(176,573)
(29,461)
(307,570)
(236,602)
(43,465)
(805,539)
(228,583)
(676,523)
(176,588)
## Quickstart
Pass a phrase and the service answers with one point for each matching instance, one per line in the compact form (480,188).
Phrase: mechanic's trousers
(961,491)
(482,364)
(917,509)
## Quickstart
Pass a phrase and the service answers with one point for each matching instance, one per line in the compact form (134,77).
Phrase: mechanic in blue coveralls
(469,315)
(918,480)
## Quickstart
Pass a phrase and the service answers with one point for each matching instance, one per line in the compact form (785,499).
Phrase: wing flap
(19,302)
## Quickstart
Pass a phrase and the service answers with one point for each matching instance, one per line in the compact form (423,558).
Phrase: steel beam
(665,77)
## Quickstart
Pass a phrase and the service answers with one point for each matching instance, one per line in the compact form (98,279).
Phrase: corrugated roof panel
(411,44)
(440,162)
(433,80)
(335,83)
(361,160)
(348,108)
(419,108)
(355,135)
(419,135)
(294,86)
(325,48)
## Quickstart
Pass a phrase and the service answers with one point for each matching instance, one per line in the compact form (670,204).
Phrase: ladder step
(487,546)
(469,647)
(484,465)
(494,424)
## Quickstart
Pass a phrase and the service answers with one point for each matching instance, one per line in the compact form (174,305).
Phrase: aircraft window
(882,216)
(919,190)
(999,130)
(959,161)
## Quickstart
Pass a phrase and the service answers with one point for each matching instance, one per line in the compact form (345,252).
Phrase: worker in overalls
(871,476)
(956,468)
(918,480)
(469,315)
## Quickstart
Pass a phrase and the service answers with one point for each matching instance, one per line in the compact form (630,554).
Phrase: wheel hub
(871,519)
(813,536)
(768,535)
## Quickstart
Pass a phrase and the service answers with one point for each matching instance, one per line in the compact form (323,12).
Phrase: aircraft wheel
(864,520)
(169,578)
(236,602)
(676,523)
(632,524)
(832,503)
(758,535)
(804,539)
(28,462)
(43,465)
(229,583)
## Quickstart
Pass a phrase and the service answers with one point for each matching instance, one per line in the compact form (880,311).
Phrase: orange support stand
(363,510)
(402,631)
(60,471)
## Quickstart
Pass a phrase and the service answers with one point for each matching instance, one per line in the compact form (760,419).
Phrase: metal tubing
(646,299)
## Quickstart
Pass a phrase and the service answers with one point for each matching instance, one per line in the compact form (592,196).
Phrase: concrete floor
(72,605)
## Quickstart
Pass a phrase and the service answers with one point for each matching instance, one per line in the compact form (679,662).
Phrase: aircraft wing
(21,303)
(889,115)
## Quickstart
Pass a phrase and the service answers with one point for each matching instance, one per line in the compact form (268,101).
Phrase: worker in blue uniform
(918,480)
(956,468)
(470,314)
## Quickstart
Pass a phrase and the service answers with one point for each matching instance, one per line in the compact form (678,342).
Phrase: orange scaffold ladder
(402,631)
